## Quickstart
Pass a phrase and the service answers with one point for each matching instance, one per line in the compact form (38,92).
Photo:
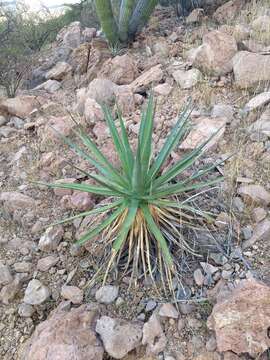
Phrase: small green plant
(146,214)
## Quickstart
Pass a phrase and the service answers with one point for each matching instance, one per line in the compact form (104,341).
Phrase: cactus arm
(107,21)
(141,15)
(126,10)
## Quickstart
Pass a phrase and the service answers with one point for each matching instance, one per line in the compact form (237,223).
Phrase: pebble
(186,308)
(46,263)
(50,240)
(198,277)
(107,294)
(150,306)
(26,310)
(23,267)
(168,310)
(259,214)
(72,293)
(218,258)
(181,324)
(211,344)
(208,268)
(36,293)
(5,274)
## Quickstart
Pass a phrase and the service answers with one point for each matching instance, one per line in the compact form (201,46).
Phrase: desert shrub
(142,230)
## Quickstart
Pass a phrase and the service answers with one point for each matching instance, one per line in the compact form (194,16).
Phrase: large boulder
(241,320)
(228,11)
(251,70)
(121,70)
(215,55)
(65,336)
(20,106)
(70,36)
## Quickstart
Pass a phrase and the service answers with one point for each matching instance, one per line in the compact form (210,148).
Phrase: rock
(81,201)
(255,193)
(101,90)
(169,311)
(59,71)
(261,126)
(228,11)
(72,293)
(163,89)
(251,70)
(208,268)
(26,310)
(20,106)
(187,79)
(186,308)
(107,294)
(93,112)
(208,356)
(241,321)
(70,36)
(161,48)
(50,240)
(6,131)
(9,291)
(36,293)
(252,46)
(119,337)
(57,126)
(121,70)
(80,59)
(150,306)
(203,129)
(228,355)
(3,120)
(125,99)
(88,34)
(50,86)
(258,214)
(223,111)
(46,263)
(23,267)
(195,16)
(16,122)
(215,55)
(66,335)
(15,200)
(258,101)
(147,79)
(211,344)
(198,277)
(153,336)
(261,232)
(5,274)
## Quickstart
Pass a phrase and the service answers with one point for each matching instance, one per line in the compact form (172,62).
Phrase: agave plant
(149,205)
(133,15)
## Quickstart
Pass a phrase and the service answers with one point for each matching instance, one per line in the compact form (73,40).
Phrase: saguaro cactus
(134,14)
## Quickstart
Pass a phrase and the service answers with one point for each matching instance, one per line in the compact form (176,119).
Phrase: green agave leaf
(117,141)
(173,139)
(137,176)
(94,232)
(154,229)
(90,212)
(80,187)
(179,188)
(125,228)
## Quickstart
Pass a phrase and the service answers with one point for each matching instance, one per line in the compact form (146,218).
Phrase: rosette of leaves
(150,205)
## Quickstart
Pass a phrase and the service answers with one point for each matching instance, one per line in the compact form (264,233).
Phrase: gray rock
(256,193)
(46,263)
(150,306)
(169,311)
(218,258)
(3,120)
(259,214)
(25,310)
(211,344)
(5,274)
(261,127)
(119,337)
(208,268)
(51,238)
(261,232)
(72,293)
(153,336)
(107,294)
(23,267)
(101,90)
(36,293)
(9,291)
(5,131)
(223,111)
(258,101)
(17,122)
(187,79)
(198,277)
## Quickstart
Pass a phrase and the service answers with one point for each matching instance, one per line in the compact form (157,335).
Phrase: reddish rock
(153,336)
(147,79)
(72,293)
(261,232)
(215,55)
(241,320)
(65,336)
(121,70)
(20,106)
(15,200)
(81,201)
(92,112)
(228,11)
(125,99)
(59,71)
(63,192)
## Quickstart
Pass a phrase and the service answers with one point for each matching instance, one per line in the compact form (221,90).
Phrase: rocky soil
(50,307)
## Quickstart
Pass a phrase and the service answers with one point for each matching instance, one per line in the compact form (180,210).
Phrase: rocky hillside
(52,302)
